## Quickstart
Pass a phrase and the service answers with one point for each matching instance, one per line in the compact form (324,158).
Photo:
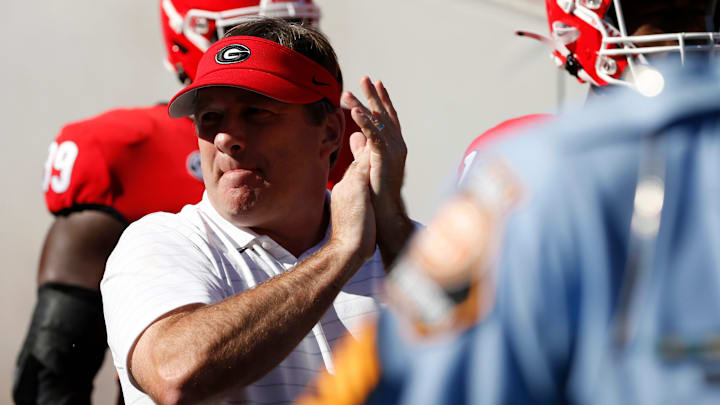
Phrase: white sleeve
(155,268)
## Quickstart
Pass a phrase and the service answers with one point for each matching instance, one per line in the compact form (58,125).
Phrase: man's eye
(259,113)
(209,118)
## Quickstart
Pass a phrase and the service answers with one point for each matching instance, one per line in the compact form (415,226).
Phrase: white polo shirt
(165,261)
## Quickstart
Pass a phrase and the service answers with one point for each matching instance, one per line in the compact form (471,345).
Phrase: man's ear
(334,131)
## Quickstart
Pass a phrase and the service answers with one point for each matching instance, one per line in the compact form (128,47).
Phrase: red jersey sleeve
(128,162)
(76,174)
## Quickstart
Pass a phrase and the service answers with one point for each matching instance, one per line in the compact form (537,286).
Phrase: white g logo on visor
(234,53)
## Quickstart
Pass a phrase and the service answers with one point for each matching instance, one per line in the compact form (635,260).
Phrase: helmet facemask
(637,49)
(590,39)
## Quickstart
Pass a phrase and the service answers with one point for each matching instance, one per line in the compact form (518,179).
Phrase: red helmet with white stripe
(191,26)
(505,128)
(590,38)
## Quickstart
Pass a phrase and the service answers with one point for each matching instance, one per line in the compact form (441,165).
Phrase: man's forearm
(188,355)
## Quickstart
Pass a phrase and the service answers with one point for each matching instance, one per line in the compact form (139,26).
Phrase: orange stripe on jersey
(357,373)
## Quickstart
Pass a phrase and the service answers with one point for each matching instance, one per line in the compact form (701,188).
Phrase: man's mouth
(243,172)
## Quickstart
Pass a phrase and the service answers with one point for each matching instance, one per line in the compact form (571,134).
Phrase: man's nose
(230,142)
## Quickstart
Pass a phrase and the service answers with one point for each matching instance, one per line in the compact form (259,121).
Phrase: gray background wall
(453,67)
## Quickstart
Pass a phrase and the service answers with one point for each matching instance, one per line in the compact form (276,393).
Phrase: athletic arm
(77,247)
(66,341)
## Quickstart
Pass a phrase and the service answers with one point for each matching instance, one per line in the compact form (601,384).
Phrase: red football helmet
(190,26)
(590,40)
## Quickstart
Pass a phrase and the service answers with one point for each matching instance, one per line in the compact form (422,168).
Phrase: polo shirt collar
(244,237)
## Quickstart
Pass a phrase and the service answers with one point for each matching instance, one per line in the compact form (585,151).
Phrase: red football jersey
(505,128)
(130,162)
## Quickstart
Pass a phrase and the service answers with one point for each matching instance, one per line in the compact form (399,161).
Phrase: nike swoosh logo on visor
(317,83)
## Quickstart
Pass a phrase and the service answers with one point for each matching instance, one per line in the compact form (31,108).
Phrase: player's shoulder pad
(121,125)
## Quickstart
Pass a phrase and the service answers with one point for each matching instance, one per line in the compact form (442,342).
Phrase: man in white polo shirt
(238,299)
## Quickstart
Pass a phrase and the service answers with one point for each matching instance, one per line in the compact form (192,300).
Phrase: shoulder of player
(117,126)
(578,150)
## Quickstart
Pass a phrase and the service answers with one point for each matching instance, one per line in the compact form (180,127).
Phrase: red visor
(262,66)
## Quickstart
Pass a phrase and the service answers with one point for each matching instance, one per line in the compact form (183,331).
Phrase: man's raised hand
(381,128)
(382,141)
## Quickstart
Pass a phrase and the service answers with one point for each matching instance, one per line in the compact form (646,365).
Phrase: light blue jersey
(561,330)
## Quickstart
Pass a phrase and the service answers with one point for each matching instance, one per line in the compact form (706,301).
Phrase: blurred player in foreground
(607,277)
(105,173)
(594,301)
(238,298)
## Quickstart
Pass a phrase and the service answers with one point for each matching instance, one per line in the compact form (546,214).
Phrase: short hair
(303,39)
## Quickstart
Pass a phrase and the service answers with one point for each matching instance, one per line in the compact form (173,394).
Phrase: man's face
(261,158)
